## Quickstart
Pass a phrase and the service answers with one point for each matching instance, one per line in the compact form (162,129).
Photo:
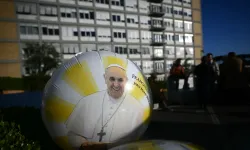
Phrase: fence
(28,99)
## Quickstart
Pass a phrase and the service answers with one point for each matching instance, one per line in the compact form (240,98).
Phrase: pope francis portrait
(106,116)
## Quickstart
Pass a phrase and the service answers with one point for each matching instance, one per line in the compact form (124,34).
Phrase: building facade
(151,33)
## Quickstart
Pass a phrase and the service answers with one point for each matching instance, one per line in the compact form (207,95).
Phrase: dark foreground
(218,128)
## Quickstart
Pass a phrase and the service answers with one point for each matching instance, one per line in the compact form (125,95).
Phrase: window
(178,11)
(102,1)
(145,35)
(169,37)
(158,52)
(189,51)
(121,49)
(145,50)
(68,12)
(144,20)
(86,14)
(156,8)
(70,48)
(22,29)
(87,32)
(188,26)
(28,29)
(133,50)
(179,38)
(187,1)
(180,52)
(189,38)
(50,30)
(178,24)
(26,9)
(168,9)
(131,20)
(104,33)
(102,16)
(157,23)
(117,2)
(157,38)
(131,4)
(75,33)
(168,23)
(119,34)
(159,66)
(187,12)
(49,11)
(133,34)
(143,6)
(86,0)
(116,18)
(169,50)
(147,65)
(69,32)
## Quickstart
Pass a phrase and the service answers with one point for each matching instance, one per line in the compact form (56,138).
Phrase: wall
(10,63)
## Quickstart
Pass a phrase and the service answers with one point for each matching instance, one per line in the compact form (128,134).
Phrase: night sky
(226,26)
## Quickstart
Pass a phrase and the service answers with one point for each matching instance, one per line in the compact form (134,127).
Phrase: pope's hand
(93,146)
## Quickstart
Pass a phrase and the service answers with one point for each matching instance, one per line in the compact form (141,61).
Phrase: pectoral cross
(101,134)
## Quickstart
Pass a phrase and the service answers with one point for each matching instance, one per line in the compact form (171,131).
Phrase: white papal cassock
(86,119)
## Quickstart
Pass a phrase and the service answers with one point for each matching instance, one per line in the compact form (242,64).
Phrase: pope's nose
(116,84)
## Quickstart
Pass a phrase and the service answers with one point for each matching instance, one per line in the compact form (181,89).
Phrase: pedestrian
(233,77)
(203,76)
(215,70)
(177,73)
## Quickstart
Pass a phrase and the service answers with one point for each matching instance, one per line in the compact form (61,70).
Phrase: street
(219,127)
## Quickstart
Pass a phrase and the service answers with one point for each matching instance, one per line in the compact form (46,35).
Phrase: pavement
(218,127)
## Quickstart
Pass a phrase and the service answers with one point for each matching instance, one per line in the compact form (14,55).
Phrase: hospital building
(151,33)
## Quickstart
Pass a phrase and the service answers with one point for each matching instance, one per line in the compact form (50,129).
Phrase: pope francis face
(116,80)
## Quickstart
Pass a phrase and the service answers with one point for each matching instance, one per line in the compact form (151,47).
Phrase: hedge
(11,138)
(31,126)
(31,83)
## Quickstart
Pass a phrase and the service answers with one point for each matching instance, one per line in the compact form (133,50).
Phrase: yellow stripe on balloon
(146,114)
(193,147)
(108,60)
(62,141)
(80,78)
(57,110)
(139,87)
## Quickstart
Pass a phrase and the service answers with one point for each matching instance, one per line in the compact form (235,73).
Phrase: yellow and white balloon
(76,81)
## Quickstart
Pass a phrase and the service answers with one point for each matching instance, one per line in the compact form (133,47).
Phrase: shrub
(31,125)
(12,138)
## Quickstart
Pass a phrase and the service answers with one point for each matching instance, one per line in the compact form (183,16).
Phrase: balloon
(96,98)
(158,145)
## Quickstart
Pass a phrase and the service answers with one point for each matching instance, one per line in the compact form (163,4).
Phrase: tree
(41,59)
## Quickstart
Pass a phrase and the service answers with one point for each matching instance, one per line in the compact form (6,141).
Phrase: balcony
(155,58)
(158,71)
(157,26)
(156,11)
(157,41)
(155,1)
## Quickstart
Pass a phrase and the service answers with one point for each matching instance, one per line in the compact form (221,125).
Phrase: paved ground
(219,127)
